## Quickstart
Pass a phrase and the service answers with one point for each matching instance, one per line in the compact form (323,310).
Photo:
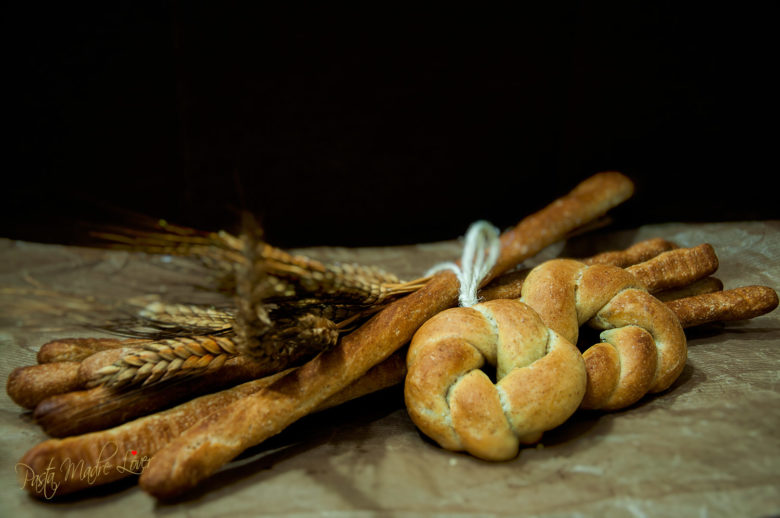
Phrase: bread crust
(540,377)
(700,287)
(28,386)
(676,268)
(636,253)
(78,349)
(82,411)
(734,304)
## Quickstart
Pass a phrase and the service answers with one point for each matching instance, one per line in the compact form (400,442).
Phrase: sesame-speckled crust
(205,447)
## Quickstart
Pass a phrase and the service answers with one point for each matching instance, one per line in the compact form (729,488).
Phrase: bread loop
(541,376)
(643,346)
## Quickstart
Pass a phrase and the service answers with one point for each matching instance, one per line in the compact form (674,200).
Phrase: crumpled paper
(707,447)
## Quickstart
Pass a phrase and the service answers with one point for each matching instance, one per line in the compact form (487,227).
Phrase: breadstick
(28,386)
(101,407)
(507,286)
(676,268)
(77,349)
(221,436)
(735,304)
(700,287)
(638,253)
(101,457)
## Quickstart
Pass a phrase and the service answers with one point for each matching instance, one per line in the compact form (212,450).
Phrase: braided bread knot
(643,346)
(541,376)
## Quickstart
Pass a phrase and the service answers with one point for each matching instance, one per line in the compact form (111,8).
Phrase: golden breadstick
(507,286)
(735,304)
(77,349)
(700,287)
(28,386)
(205,447)
(638,253)
(676,268)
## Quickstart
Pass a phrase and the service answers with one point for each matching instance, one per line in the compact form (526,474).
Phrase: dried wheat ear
(286,308)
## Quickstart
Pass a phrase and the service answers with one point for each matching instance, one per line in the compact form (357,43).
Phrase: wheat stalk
(163,359)
(286,304)
(205,318)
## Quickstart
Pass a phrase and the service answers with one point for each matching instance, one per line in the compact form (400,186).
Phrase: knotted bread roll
(644,346)
(541,376)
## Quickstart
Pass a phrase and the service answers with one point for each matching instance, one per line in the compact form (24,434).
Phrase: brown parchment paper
(709,446)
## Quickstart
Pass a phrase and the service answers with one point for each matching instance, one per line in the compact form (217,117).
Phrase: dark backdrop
(387,125)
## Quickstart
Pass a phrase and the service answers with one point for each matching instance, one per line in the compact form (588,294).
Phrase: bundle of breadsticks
(177,447)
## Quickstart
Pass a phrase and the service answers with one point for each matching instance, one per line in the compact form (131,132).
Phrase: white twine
(480,253)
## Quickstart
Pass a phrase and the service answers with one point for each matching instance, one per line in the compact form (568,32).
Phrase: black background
(385,124)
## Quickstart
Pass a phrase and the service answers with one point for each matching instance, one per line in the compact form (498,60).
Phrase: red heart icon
(133,452)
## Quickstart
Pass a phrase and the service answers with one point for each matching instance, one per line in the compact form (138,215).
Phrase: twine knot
(480,253)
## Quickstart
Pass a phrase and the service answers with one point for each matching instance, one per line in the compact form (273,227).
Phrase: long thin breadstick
(735,304)
(77,349)
(700,287)
(676,268)
(221,436)
(636,253)
(28,386)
